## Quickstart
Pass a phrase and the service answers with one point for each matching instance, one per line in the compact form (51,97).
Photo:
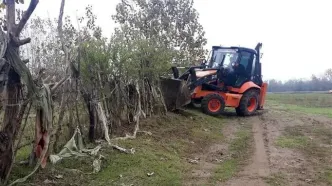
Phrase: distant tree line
(316,83)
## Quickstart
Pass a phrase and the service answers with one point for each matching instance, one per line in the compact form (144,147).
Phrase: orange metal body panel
(231,100)
(262,95)
(246,86)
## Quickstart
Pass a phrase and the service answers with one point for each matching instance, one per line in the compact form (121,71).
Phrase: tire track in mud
(267,160)
(289,165)
(259,167)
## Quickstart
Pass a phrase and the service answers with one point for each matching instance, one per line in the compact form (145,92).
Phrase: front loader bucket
(175,92)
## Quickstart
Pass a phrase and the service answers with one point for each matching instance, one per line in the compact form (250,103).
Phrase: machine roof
(238,48)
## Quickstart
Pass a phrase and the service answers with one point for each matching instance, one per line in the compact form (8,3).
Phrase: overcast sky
(296,34)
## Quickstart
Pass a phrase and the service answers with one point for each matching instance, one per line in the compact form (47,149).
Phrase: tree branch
(56,86)
(26,16)
(18,42)
(60,17)
(10,11)
(126,4)
(25,61)
(18,146)
(49,77)
(60,31)
(24,41)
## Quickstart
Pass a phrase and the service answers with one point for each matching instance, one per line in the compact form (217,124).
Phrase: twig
(128,151)
(145,132)
(48,78)
(126,4)
(23,128)
(57,85)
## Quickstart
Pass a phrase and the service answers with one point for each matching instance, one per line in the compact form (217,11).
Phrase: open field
(315,103)
(290,143)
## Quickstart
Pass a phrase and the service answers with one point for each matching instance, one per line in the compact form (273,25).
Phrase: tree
(171,23)
(328,74)
(316,83)
(13,112)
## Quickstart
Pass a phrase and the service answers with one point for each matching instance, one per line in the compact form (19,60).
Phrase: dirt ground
(282,145)
(270,163)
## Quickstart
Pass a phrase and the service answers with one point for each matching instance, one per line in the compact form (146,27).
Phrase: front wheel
(196,103)
(213,104)
(248,104)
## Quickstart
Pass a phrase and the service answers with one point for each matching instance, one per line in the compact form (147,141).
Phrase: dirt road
(296,159)
(259,165)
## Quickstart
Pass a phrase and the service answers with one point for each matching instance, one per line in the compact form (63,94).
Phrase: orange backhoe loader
(230,77)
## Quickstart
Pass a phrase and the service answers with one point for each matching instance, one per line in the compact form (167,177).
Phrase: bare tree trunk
(11,107)
(102,118)
(92,117)
(11,120)
(57,132)
(10,125)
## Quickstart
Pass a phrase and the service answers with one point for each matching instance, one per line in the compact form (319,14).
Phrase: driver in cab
(237,74)
(239,69)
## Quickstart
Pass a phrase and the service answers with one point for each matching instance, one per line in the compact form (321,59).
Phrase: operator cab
(230,58)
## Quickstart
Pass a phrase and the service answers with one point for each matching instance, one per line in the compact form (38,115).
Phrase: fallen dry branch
(128,151)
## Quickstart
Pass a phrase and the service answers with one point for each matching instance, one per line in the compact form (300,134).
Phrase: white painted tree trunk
(102,118)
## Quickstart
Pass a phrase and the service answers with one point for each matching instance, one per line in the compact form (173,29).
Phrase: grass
(313,100)
(327,176)
(226,170)
(239,149)
(165,163)
(292,141)
(319,104)
(174,137)
(276,179)
(315,144)
(294,137)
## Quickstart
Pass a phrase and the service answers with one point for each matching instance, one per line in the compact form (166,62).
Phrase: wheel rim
(214,105)
(252,104)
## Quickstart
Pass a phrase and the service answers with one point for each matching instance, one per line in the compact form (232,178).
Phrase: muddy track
(268,161)
(258,166)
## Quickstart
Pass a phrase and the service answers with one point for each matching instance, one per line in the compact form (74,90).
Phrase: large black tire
(196,103)
(248,103)
(213,105)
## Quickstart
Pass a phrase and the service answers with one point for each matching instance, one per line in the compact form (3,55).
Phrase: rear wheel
(213,104)
(248,104)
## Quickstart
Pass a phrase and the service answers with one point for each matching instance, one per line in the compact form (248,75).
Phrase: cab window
(246,61)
